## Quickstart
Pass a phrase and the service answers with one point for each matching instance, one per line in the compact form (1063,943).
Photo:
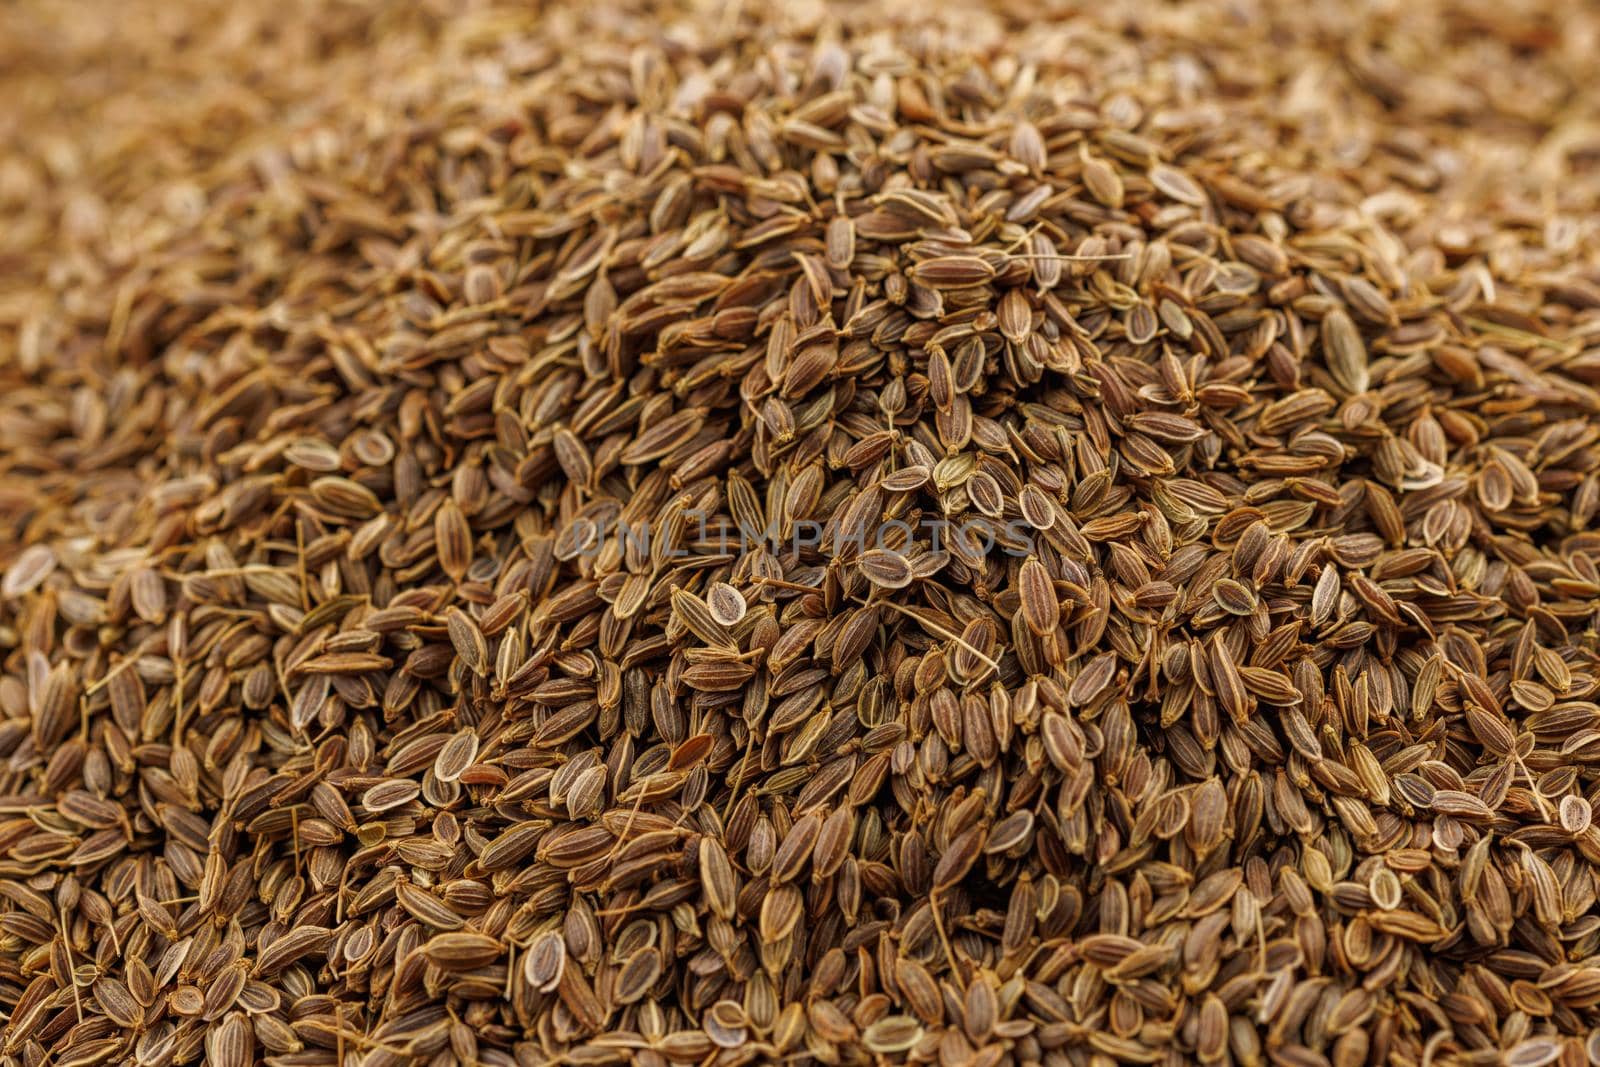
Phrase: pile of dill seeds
(716,533)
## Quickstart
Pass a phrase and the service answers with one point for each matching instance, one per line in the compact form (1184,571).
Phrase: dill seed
(631,534)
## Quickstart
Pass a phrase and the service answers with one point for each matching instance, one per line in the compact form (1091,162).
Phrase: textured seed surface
(817,534)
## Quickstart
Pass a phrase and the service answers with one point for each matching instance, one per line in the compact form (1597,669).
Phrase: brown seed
(1036,507)
(884,568)
(1093,678)
(726,603)
(1039,606)
(841,242)
(454,540)
(427,908)
(28,571)
(461,950)
(891,1034)
(697,618)
(467,640)
(456,755)
(1575,814)
(1344,351)
(952,272)
(717,878)
(389,794)
(295,944)
(545,961)
(1236,598)
(1103,182)
(638,975)
(1010,833)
